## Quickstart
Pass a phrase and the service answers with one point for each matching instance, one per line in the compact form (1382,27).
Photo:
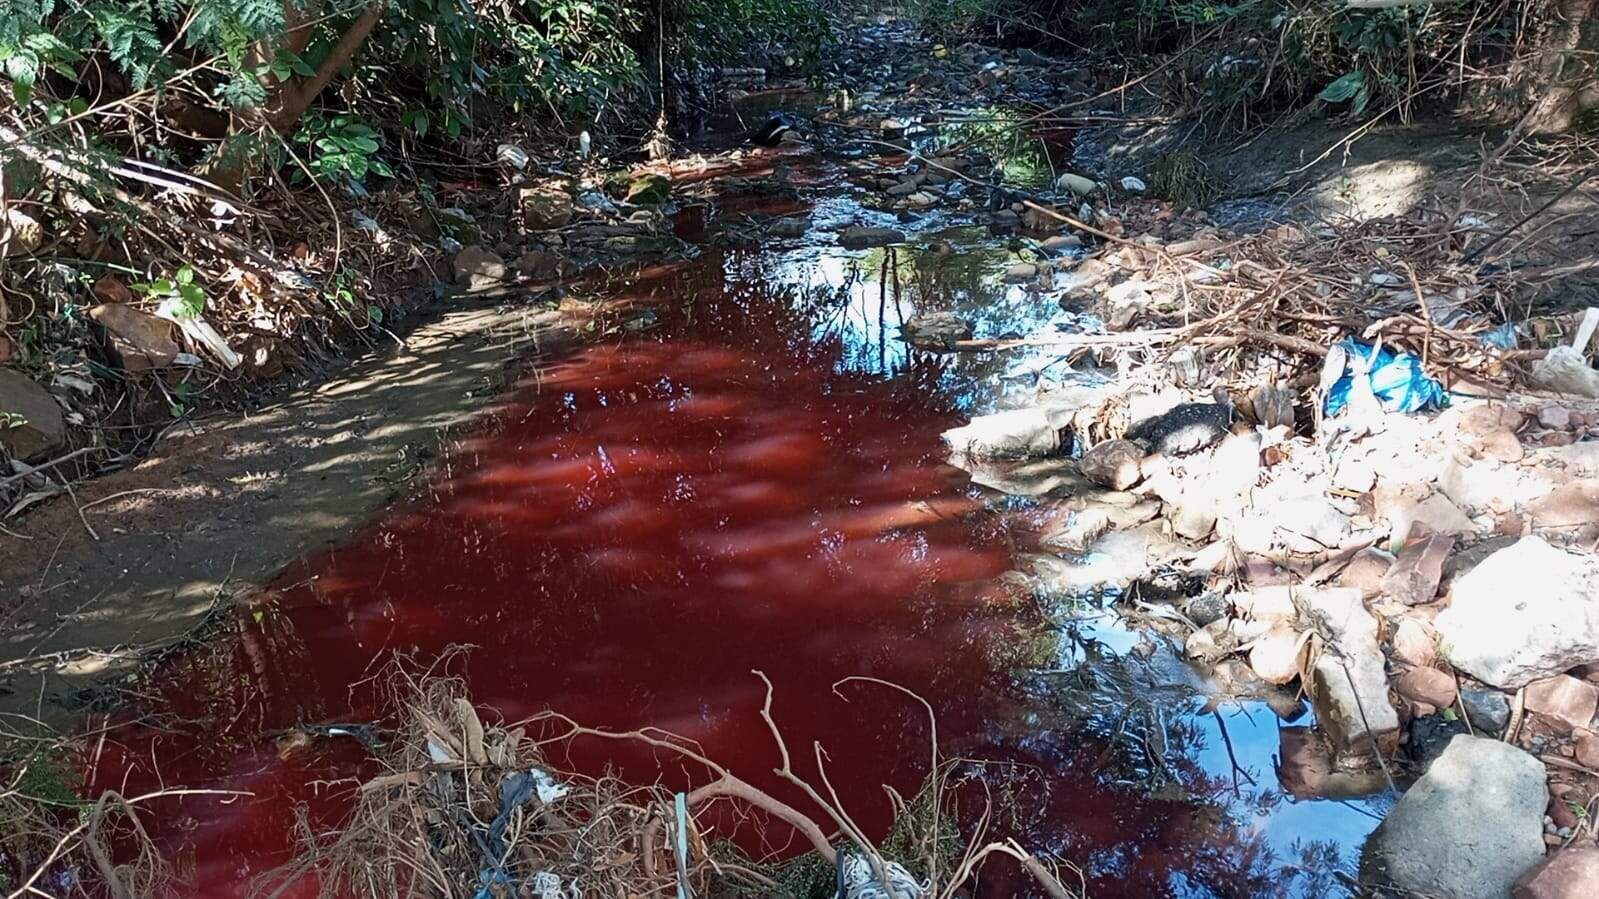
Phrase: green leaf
(191,301)
(375,314)
(185,275)
(1345,87)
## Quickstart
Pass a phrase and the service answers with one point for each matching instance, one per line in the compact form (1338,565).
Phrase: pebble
(1555,418)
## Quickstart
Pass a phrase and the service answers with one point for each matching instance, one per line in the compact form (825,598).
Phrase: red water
(623,539)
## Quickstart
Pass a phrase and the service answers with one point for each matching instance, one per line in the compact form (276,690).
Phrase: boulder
(1585,749)
(1113,463)
(31,423)
(1526,612)
(936,330)
(138,340)
(1349,681)
(1467,829)
(1566,701)
(1014,434)
(545,206)
(1082,530)
(1567,507)
(477,266)
(1571,873)
(1267,604)
(859,237)
(542,265)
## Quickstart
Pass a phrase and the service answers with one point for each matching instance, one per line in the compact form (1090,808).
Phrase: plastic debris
(1396,379)
(1566,369)
(1134,185)
(511,155)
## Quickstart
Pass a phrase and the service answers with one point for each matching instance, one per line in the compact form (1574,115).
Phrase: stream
(752,478)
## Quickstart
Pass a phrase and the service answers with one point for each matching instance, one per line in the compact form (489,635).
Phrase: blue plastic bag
(1396,379)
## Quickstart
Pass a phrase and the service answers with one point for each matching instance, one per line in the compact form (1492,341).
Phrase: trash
(1134,185)
(1566,369)
(1504,337)
(511,155)
(1396,379)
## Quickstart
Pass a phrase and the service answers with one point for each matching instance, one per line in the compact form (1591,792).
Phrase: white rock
(1076,184)
(1015,434)
(1349,683)
(1267,603)
(1466,830)
(1275,657)
(1528,611)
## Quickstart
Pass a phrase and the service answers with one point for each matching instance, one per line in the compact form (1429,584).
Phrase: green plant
(343,149)
(178,295)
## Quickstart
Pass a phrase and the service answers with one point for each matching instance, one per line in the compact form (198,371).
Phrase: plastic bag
(1395,378)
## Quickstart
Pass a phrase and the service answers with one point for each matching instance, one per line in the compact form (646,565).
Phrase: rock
(1413,644)
(1430,735)
(110,289)
(1413,578)
(1021,273)
(139,341)
(1526,612)
(1040,222)
(1585,749)
(1571,873)
(1211,643)
(1207,607)
(1193,520)
(31,423)
(1567,507)
(476,267)
(789,227)
(1076,185)
(1467,829)
(1082,530)
(1438,514)
(1306,768)
(1014,434)
(1428,685)
(1273,406)
(545,206)
(1555,418)
(921,200)
(542,265)
(859,237)
(1062,243)
(1005,221)
(1487,710)
(892,128)
(1277,657)
(902,189)
(1349,682)
(936,330)
(1267,604)
(1488,430)
(1365,572)
(1565,700)
(1113,463)
(1184,429)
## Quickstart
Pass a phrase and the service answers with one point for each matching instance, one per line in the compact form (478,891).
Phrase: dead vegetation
(468,807)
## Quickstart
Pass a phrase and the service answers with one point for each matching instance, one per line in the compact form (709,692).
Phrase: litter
(1396,379)
(1566,369)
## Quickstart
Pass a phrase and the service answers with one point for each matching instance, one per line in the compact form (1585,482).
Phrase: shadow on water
(755,483)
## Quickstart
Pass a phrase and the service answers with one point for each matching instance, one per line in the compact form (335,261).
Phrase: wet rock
(937,330)
(1430,735)
(1062,243)
(1467,829)
(1031,477)
(788,228)
(1413,644)
(1021,273)
(477,266)
(1566,701)
(1081,531)
(1365,572)
(1488,710)
(1571,873)
(1187,428)
(1211,643)
(1113,463)
(31,423)
(1278,656)
(1005,221)
(903,189)
(1413,579)
(859,237)
(545,206)
(1116,559)
(1526,612)
(1427,685)
(1014,434)
(139,341)
(1306,768)
(1349,683)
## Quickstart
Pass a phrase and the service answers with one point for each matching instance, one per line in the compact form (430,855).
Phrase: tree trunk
(292,98)
(1567,68)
